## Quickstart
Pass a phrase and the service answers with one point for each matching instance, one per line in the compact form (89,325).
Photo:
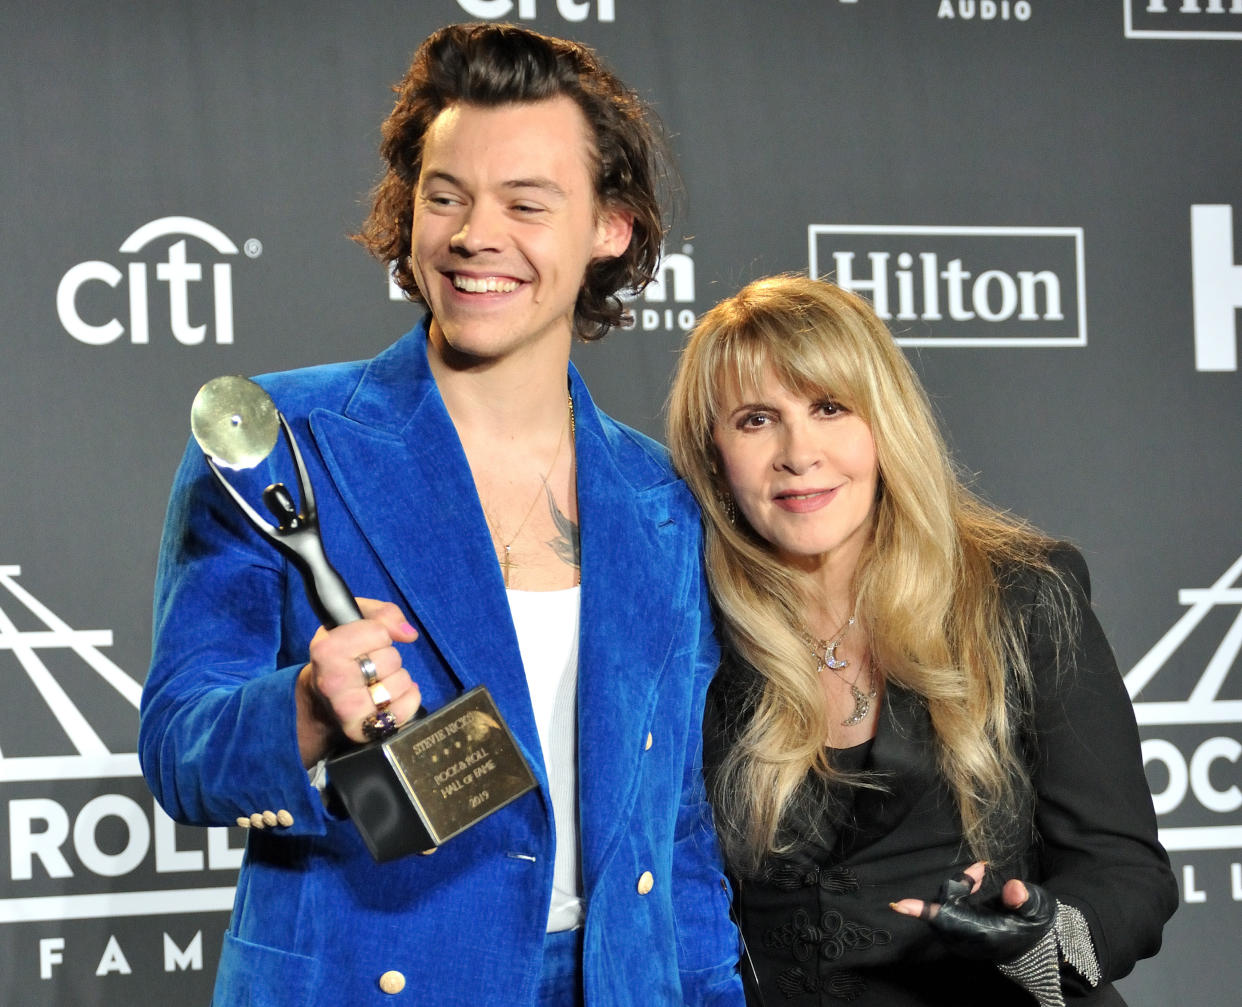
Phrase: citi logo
(80,306)
(570,10)
(1217,282)
(962,286)
(1184,19)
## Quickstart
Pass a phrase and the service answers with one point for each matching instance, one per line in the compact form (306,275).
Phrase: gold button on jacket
(392,982)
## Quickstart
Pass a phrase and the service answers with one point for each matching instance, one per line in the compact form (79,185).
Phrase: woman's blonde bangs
(829,354)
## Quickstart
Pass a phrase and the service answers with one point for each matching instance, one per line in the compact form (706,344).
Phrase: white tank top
(547,632)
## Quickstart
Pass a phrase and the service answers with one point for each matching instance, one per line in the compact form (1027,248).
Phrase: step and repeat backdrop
(1044,197)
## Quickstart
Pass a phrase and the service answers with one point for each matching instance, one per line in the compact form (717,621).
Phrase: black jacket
(818,925)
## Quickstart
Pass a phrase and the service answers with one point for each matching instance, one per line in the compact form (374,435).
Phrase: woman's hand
(993,930)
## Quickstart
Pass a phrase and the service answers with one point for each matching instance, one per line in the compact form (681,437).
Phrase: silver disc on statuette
(234,421)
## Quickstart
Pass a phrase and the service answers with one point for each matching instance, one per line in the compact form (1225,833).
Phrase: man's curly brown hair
(497,64)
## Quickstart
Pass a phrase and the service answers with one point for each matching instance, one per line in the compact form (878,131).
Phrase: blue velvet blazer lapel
(632,608)
(398,464)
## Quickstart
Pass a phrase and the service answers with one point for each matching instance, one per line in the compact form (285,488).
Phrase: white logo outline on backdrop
(177,271)
(1216,282)
(570,10)
(1179,7)
(1074,233)
(92,761)
(1201,707)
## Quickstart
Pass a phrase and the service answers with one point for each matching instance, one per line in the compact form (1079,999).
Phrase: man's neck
(508,398)
(515,426)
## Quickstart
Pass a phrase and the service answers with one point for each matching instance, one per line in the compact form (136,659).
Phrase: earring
(730,508)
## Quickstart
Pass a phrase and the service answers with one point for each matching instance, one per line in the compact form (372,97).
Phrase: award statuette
(408,790)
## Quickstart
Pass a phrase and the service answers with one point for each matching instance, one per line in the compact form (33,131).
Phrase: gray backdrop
(1041,191)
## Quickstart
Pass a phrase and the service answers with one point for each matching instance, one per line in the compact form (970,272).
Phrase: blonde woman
(924,764)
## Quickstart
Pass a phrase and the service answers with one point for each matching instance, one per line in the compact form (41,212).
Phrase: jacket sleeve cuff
(1038,971)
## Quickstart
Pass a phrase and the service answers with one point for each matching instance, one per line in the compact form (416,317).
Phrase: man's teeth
(480,285)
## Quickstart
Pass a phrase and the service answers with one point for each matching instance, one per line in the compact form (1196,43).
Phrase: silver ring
(369,675)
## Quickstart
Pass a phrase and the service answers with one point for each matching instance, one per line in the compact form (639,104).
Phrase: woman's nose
(798,451)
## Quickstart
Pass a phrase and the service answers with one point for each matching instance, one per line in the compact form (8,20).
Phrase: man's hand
(332,694)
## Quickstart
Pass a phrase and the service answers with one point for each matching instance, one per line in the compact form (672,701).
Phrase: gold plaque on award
(434,778)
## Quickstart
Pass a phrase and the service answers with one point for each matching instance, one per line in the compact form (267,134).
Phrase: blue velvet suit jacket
(315,919)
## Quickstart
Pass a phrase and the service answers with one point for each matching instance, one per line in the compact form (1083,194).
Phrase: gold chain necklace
(506,560)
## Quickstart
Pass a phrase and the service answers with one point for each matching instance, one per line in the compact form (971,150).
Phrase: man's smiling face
(505,224)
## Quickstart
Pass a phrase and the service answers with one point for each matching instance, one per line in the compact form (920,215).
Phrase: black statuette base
(432,779)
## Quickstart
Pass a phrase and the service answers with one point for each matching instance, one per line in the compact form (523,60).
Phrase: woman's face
(802,472)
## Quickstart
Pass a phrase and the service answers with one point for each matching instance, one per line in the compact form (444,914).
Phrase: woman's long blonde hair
(926,587)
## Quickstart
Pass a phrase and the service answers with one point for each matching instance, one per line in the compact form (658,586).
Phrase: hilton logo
(1184,19)
(1217,282)
(962,286)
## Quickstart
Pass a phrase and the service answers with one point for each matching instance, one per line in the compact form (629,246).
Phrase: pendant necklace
(825,654)
(506,561)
